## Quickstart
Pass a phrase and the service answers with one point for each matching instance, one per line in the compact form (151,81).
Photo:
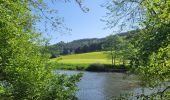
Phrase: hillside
(84,45)
(77,46)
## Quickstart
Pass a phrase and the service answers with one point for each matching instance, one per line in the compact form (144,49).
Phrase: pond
(103,85)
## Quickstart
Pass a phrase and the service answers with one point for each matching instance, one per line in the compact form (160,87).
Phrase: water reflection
(102,86)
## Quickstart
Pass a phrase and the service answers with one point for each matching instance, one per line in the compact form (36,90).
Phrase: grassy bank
(94,61)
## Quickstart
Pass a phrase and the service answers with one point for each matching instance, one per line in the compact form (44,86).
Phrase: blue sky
(83,25)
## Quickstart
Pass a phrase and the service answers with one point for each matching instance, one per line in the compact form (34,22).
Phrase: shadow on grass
(106,68)
(96,67)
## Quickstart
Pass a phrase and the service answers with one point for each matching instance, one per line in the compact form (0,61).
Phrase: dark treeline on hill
(83,45)
(76,46)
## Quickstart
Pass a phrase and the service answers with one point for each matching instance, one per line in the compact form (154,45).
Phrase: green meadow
(85,58)
(82,61)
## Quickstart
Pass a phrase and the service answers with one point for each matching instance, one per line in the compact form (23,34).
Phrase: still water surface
(102,85)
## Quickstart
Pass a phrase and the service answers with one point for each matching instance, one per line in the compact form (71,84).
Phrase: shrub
(96,67)
(24,74)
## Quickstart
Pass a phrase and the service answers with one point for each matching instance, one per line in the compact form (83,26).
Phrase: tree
(24,72)
(127,51)
(152,42)
(113,45)
(119,47)
(76,46)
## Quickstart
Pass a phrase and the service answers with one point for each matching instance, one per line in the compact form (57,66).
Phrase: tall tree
(127,51)
(153,40)
(24,73)
(113,45)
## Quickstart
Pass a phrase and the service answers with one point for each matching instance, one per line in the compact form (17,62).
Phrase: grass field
(93,61)
(85,58)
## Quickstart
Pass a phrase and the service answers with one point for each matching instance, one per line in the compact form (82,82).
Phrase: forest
(84,45)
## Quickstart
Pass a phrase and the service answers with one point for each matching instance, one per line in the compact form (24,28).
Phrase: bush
(96,67)
(24,74)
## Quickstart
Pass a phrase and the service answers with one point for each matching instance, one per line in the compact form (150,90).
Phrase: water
(103,86)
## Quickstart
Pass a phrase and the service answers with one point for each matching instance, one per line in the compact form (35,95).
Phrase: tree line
(82,45)
(76,46)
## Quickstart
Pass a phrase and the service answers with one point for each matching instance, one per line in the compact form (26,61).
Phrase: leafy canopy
(24,73)
(152,18)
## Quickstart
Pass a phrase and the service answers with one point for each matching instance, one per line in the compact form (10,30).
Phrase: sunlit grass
(85,58)
(82,61)
(91,55)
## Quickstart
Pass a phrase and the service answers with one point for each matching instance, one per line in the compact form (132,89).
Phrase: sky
(83,25)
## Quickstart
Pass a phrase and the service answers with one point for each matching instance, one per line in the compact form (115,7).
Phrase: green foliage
(82,45)
(24,74)
(95,67)
(118,47)
(67,66)
(76,46)
(152,41)
(56,49)
(113,46)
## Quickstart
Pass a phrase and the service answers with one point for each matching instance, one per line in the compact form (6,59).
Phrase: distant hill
(77,46)
(82,45)
(83,42)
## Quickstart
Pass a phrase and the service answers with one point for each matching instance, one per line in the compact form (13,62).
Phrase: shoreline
(90,67)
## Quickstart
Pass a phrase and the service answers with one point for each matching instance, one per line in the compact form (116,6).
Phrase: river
(104,85)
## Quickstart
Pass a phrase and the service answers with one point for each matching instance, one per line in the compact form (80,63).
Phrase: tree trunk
(114,57)
(112,60)
(123,60)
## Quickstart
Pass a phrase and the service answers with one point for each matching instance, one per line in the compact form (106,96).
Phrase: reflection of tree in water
(115,84)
